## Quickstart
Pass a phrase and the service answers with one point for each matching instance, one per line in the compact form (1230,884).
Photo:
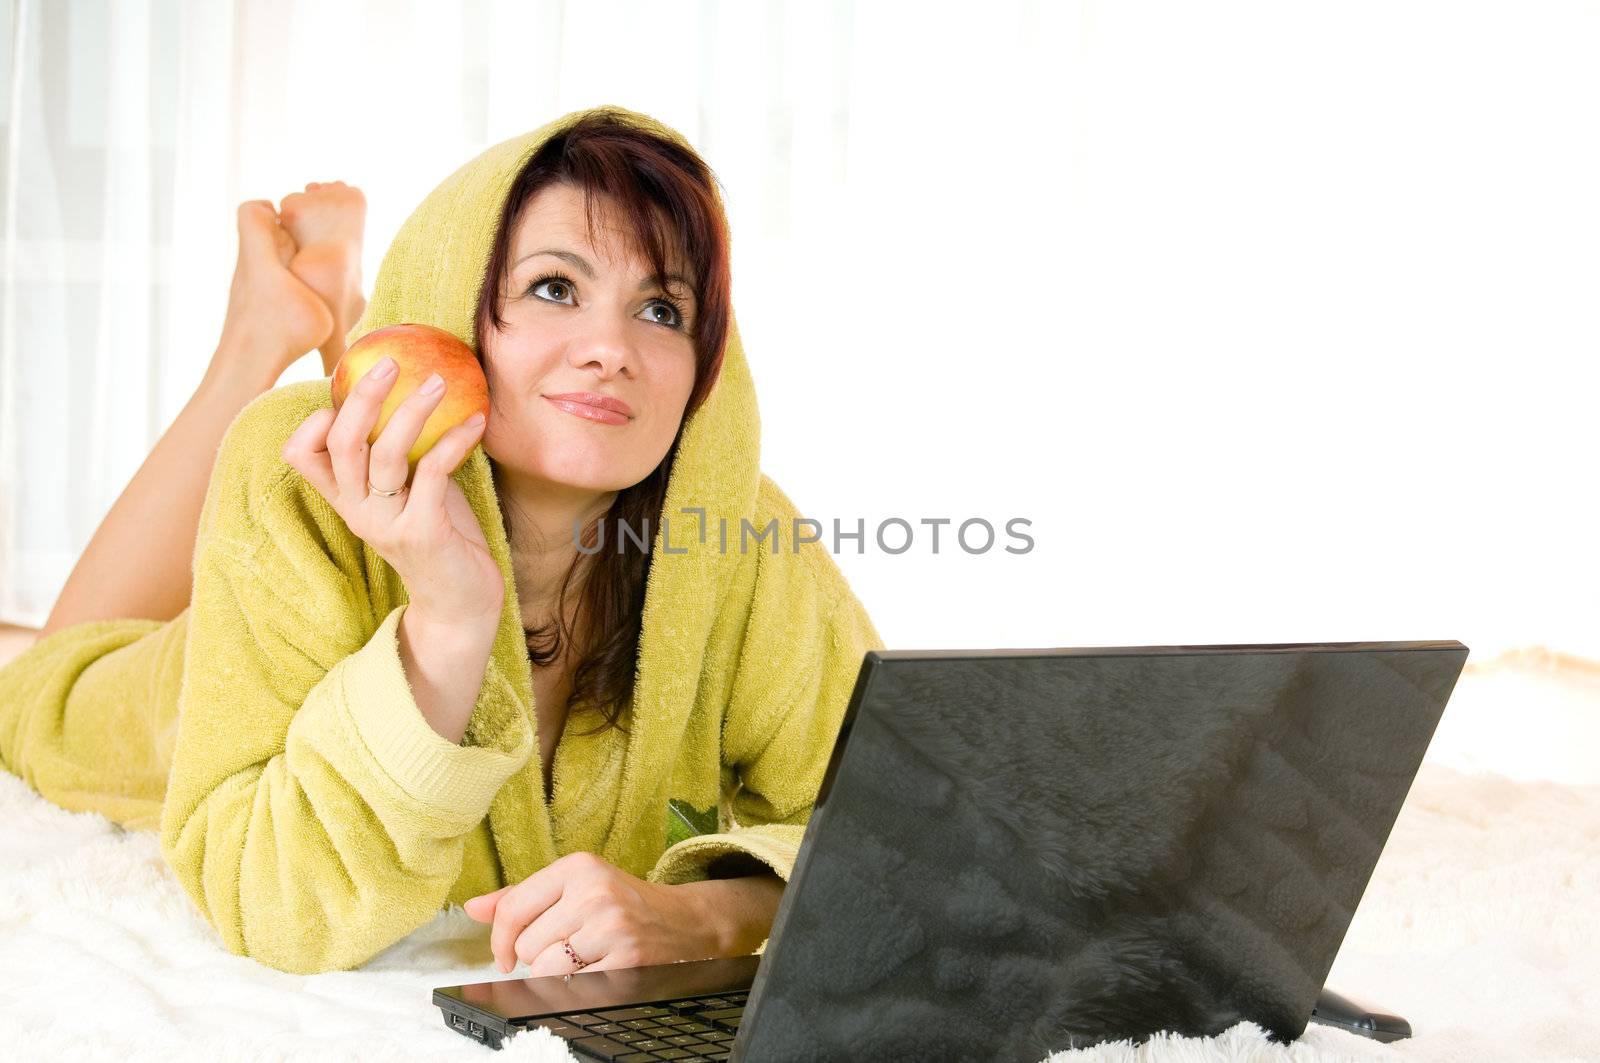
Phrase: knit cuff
(776,845)
(454,781)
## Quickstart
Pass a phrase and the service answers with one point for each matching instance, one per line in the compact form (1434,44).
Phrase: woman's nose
(607,351)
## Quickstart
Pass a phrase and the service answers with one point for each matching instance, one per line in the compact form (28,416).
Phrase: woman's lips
(601,408)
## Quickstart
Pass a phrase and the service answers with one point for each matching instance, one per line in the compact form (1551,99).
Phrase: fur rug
(1479,927)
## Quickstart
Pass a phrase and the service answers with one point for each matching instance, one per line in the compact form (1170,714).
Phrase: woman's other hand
(611,918)
(428,531)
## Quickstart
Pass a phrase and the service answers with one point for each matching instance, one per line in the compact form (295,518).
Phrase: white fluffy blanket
(1479,927)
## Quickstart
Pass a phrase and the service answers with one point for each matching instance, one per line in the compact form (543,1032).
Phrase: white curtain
(1276,321)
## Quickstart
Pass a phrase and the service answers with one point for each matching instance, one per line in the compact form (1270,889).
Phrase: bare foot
(326,221)
(273,317)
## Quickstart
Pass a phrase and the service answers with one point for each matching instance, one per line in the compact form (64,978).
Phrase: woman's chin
(581,466)
(601,480)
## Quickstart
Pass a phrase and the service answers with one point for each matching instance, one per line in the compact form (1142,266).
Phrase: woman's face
(583,322)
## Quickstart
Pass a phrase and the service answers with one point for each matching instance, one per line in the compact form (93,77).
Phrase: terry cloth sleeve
(312,813)
(802,650)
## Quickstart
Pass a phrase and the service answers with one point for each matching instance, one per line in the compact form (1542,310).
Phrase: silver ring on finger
(385,494)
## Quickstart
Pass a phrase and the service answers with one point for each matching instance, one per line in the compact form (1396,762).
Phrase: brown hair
(666,192)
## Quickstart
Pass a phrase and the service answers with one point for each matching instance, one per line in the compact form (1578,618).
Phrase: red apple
(419,351)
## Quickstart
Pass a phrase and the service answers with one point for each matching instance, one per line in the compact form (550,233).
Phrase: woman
(341,725)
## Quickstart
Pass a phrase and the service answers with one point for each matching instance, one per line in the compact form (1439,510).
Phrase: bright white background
(1279,322)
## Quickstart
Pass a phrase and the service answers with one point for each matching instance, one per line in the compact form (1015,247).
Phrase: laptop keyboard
(695,1028)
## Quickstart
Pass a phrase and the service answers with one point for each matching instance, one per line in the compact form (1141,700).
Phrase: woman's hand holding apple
(428,532)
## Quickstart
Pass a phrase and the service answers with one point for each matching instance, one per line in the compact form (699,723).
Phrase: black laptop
(1015,852)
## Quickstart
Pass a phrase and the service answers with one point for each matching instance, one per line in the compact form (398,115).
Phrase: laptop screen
(1017,852)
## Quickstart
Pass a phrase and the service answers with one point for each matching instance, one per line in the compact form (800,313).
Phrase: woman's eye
(670,307)
(561,286)
(558,283)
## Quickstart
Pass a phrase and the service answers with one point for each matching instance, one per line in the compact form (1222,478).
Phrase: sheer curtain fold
(89,257)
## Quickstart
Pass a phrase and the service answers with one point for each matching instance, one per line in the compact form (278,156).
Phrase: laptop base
(488,1012)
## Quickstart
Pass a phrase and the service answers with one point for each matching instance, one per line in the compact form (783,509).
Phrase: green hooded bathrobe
(269,732)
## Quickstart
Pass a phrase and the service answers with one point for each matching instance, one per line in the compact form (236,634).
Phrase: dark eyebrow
(581,264)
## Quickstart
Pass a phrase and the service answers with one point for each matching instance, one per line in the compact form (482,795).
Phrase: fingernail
(434,385)
(383,369)
(475,420)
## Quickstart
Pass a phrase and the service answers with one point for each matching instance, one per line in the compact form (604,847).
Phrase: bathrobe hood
(431,275)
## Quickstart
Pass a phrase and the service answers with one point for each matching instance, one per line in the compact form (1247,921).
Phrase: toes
(328,212)
(258,223)
(251,210)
